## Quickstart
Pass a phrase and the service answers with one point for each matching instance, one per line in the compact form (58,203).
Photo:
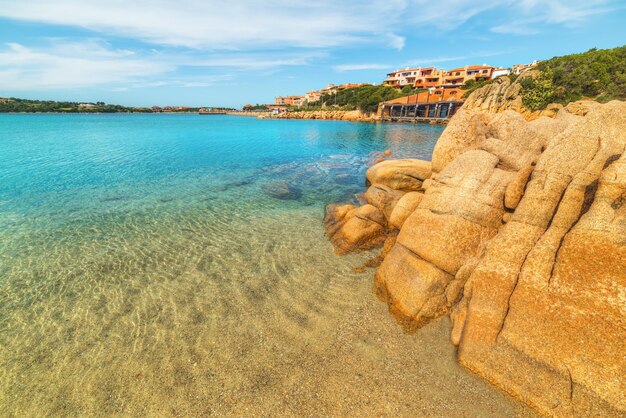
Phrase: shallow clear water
(144,269)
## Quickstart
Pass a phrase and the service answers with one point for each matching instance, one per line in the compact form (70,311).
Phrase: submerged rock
(282,190)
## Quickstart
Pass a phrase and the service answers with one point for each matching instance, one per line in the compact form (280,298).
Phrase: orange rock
(405,175)
(520,237)
(355,229)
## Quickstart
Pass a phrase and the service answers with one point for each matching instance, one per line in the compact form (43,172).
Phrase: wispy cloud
(63,63)
(71,65)
(441,59)
(360,67)
(212,24)
(250,61)
(395,41)
(199,43)
(535,15)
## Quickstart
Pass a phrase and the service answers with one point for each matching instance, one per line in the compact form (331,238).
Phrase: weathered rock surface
(503,95)
(406,175)
(350,228)
(404,208)
(383,197)
(520,235)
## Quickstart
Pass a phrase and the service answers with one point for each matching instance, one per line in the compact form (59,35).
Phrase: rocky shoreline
(347,115)
(517,230)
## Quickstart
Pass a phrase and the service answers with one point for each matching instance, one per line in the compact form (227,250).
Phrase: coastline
(343,115)
(346,115)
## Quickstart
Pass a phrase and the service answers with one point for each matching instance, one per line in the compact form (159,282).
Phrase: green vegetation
(14,105)
(256,107)
(538,92)
(364,98)
(45,106)
(595,74)
(471,86)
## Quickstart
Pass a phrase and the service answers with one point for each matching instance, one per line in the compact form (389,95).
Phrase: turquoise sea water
(146,270)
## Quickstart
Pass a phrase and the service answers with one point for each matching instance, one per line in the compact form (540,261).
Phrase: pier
(424,112)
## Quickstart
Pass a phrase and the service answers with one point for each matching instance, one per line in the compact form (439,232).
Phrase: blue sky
(216,53)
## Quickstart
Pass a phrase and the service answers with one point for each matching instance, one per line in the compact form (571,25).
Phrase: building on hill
(315,95)
(289,100)
(401,78)
(86,105)
(517,69)
(351,85)
(500,71)
(429,77)
(459,76)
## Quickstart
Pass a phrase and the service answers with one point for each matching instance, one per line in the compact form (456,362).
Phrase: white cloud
(212,24)
(395,41)
(64,63)
(468,57)
(71,65)
(535,15)
(250,61)
(449,14)
(203,37)
(519,14)
(252,24)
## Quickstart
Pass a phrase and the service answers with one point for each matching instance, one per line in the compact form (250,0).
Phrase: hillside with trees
(363,98)
(596,74)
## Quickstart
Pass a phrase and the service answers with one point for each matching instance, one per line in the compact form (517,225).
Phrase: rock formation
(519,234)
(503,95)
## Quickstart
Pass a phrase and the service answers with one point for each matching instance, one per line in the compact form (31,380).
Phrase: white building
(517,69)
(401,78)
(497,72)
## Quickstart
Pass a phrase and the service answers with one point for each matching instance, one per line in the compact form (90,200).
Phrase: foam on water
(144,270)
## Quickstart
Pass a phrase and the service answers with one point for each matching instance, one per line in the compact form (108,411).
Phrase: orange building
(429,77)
(458,76)
(289,100)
